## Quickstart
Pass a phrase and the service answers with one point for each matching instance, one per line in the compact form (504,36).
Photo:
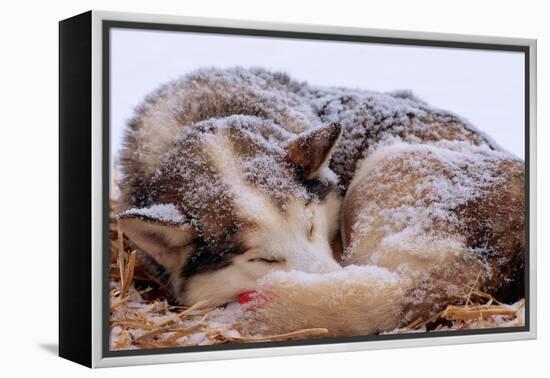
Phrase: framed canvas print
(232,189)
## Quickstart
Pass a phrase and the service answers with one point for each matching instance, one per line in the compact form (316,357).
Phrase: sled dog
(352,210)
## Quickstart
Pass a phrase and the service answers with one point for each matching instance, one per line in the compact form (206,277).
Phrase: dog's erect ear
(159,231)
(308,152)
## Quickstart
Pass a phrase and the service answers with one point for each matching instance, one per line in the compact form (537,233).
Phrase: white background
(486,87)
(28,148)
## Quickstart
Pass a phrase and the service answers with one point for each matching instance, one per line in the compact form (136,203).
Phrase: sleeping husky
(351,210)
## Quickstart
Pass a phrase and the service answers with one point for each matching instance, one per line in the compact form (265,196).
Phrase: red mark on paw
(247,297)
(258,297)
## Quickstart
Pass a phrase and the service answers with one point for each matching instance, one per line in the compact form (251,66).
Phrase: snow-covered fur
(242,179)
(422,224)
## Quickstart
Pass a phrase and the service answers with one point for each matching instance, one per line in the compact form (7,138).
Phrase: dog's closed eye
(266,261)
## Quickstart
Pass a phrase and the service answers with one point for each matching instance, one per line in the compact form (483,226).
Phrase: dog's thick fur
(241,179)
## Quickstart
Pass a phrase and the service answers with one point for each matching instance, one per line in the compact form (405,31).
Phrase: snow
(263,110)
(163,212)
(372,118)
(462,172)
(149,313)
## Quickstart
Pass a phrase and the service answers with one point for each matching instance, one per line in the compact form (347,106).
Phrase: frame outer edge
(75,313)
(97,191)
(533,200)
(310,28)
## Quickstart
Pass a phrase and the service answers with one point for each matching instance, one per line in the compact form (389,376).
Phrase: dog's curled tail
(357,300)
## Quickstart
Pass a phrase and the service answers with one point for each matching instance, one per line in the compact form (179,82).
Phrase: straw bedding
(142,317)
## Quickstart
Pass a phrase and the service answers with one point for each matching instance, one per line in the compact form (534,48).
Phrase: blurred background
(486,87)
